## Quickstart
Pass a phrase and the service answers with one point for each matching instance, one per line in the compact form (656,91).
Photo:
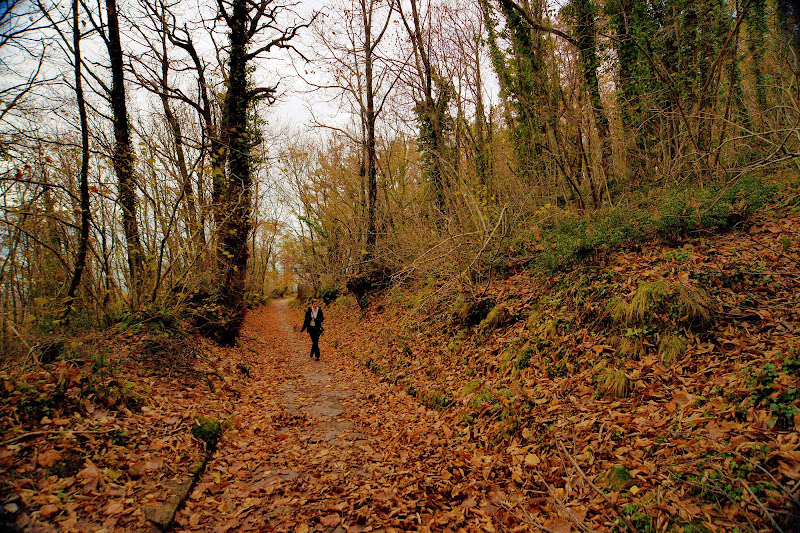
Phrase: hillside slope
(658,387)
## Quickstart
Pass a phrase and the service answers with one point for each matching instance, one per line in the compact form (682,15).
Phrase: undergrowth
(562,238)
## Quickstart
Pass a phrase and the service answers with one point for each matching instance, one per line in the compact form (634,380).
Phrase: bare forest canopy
(143,171)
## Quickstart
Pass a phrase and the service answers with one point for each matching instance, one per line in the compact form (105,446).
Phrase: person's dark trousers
(314,334)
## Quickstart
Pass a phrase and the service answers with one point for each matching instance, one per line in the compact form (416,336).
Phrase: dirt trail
(323,445)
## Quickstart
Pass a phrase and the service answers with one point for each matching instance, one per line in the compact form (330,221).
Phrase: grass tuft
(671,348)
(694,304)
(646,300)
(614,383)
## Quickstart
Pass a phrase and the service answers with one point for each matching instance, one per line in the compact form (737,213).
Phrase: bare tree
(350,48)
(85,217)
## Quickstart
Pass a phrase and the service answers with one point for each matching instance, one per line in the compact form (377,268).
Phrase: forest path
(325,446)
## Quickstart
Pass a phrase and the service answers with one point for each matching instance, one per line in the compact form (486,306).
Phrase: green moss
(524,358)
(498,317)
(617,478)
(208,430)
(470,387)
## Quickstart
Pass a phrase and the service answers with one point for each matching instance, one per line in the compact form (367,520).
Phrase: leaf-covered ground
(306,446)
(327,446)
(101,442)
(654,391)
(657,389)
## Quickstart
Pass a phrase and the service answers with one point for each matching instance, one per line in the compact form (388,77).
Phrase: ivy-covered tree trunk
(234,228)
(756,31)
(528,79)
(523,82)
(586,40)
(431,111)
(123,155)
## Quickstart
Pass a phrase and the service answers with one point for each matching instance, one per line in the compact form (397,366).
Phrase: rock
(163,515)
(160,515)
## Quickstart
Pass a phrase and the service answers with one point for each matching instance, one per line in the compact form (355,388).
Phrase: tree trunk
(123,153)
(195,232)
(234,229)
(83,243)
(432,110)
(587,43)
(372,166)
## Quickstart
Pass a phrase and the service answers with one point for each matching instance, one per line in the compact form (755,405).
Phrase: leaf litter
(557,416)
(653,389)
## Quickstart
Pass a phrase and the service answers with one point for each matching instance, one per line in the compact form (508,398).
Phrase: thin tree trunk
(372,171)
(80,259)
(177,136)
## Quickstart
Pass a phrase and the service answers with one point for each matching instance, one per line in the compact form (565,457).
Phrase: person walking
(313,324)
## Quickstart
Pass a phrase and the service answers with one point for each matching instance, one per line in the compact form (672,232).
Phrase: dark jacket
(317,323)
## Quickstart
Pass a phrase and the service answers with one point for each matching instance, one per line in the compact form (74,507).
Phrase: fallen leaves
(49,458)
(96,461)
(691,428)
(446,431)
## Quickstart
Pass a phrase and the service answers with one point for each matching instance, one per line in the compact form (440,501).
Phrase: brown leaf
(49,510)
(90,477)
(49,458)
(532,460)
(330,520)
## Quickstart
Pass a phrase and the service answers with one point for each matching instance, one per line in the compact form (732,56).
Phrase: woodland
(557,243)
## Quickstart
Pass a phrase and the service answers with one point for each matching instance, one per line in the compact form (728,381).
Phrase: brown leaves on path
(325,446)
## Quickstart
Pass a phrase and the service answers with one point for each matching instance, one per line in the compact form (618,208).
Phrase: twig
(758,502)
(527,518)
(563,507)
(51,432)
(596,489)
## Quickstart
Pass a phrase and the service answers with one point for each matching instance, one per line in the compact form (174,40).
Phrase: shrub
(720,206)
(329,293)
(153,318)
(564,238)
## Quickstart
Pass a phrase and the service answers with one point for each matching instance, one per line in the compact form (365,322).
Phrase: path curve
(325,446)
